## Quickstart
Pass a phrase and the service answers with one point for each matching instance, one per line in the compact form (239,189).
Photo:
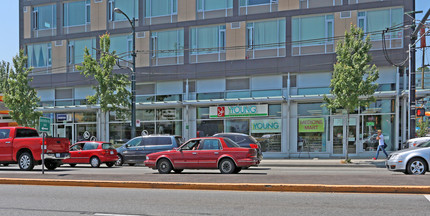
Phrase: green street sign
(44,124)
(370,123)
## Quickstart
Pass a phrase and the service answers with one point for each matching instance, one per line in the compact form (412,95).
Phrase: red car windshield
(107,146)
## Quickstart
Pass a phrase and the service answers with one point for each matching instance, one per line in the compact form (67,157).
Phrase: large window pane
(312,28)
(74,13)
(205,39)
(46,17)
(377,21)
(39,55)
(119,44)
(79,47)
(170,43)
(237,126)
(129,7)
(160,7)
(207,128)
(215,4)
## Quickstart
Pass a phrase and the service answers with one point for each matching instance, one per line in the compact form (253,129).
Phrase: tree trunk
(347,135)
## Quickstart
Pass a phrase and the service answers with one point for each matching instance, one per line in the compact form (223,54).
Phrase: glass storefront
(312,127)
(264,125)
(153,121)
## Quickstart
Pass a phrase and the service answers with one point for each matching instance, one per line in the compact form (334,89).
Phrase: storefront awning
(253,100)
(74,108)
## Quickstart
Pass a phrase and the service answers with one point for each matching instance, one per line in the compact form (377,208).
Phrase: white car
(410,161)
(412,143)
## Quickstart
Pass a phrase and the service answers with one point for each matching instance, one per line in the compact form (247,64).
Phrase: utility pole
(412,89)
(423,46)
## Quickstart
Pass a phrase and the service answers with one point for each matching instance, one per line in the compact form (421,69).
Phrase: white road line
(101,214)
(427,196)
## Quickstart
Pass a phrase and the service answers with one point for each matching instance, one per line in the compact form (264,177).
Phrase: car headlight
(396,157)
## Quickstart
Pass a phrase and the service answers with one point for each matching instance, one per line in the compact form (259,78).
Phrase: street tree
(423,126)
(19,97)
(111,91)
(353,82)
(4,71)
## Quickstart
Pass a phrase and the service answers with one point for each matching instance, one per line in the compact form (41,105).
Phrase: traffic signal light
(421,112)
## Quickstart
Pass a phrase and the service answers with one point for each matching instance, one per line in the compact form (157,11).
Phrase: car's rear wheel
(178,170)
(51,165)
(164,166)
(95,162)
(417,166)
(227,166)
(120,161)
(72,165)
(26,161)
(110,164)
(237,170)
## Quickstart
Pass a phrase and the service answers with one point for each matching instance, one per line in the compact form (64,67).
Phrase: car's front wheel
(417,166)
(95,162)
(227,166)
(164,166)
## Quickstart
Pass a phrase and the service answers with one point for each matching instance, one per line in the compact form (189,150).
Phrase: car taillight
(254,146)
(251,153)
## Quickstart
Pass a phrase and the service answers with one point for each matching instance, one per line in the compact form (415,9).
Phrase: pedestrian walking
(381,145)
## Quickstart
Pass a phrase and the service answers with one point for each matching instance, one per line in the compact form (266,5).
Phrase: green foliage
(423,125)
(111,92)
(19,97)
(353,77)
(4,71)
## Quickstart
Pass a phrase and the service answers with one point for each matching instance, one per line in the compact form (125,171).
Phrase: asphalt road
(50,200)
(285,175)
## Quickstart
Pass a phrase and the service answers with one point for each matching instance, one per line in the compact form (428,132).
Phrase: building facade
(259,67)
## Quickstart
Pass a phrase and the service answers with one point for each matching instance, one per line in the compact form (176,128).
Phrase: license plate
(111,152)
(57,155)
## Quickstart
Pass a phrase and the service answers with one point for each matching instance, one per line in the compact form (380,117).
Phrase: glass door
(65,131)
(338,135)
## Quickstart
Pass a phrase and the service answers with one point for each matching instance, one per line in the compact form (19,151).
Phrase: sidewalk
(316,162)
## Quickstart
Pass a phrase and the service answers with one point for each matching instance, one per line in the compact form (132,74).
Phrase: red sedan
(204,153)
(92,152)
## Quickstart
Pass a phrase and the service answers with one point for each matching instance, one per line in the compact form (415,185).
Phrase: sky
(9,35)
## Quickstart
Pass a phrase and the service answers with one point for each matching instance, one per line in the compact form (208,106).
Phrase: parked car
(204,153)
(243,140)
(22,145)
(135,150)
(412,143)
(410,161)
(92,152)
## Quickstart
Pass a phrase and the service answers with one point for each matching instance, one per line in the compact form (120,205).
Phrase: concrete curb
(224,186)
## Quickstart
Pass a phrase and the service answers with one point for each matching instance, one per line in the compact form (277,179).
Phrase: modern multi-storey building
(259,67)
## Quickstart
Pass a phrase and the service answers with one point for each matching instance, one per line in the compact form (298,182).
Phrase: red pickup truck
(23,145)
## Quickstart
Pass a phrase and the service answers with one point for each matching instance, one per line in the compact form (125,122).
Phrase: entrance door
(65,131)
(338,135)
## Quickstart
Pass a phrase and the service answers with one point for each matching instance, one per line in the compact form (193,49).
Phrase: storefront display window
(371,124)
(82,128)
(145,115)
(119,133)
(85,117)
(237,126)
(268,133)
(207,128)
(312,126)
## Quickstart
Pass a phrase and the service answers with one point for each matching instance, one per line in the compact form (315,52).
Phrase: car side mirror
(127,145)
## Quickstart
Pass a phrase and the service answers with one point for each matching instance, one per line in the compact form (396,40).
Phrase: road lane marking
(101,214)
(428,197)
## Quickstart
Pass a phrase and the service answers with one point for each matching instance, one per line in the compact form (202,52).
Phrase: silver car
(410,161)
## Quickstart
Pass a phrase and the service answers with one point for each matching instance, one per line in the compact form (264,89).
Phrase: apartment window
(76,13)
(167,47)
(207,43)
(313,34)
(63,97)
(76,50)
(374,21)
(266,35)
(209,5)
(214,8)
(317,3)
(39,55)
(257,6)
(161,11)
(121,45)
(44,17)
(129,7)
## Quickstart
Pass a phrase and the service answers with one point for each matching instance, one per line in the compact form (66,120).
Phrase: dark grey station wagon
(136,149)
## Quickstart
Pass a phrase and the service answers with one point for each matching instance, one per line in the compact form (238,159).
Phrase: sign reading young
(308,125)
(238,111)
(266,126)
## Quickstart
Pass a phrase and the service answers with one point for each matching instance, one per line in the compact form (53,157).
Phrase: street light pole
(133,73)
